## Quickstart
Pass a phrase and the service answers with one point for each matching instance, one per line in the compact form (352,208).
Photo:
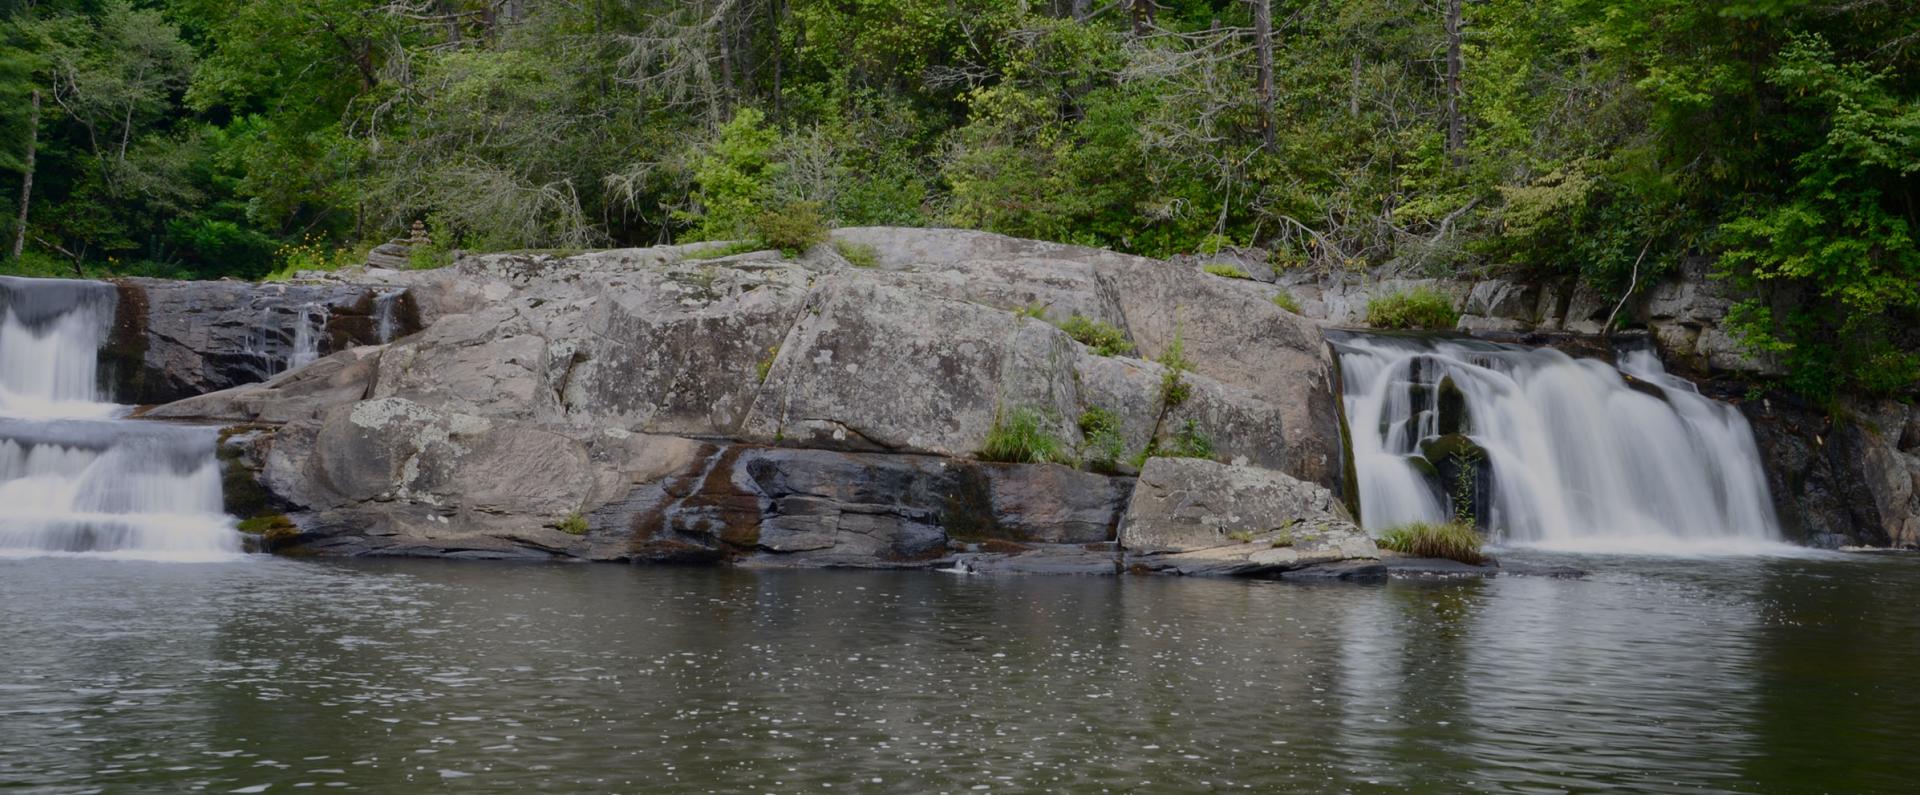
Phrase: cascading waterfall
(288,338)
(1543,449)
(50,336)
(74,477)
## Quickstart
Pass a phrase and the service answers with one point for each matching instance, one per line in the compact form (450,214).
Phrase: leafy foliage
(1610,142)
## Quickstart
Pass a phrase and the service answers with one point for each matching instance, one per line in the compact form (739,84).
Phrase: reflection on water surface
(1655,675)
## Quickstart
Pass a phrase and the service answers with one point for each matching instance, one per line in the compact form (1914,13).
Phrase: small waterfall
(1547,450)
(288,337)
(50,336)
(74,478)
(383,320)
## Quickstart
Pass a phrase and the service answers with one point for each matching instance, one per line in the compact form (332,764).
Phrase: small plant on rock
(1174,390)
(793,227)
(1450,540)
(1104,338)
(1104,446)
(1225,270)
(574,524)
(1285,300)
(1024,436)
(859,255)
(1420,308)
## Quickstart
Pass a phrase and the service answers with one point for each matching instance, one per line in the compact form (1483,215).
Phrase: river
(1752,674)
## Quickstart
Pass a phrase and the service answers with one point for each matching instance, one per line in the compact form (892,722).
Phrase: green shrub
(1285,300)
(429,256)
(1420,308)
(574,524)
(859,255)
(1036,310)
(1225,270)
(1450,540)
(1023,436)
(1189,442)
(1174,389)
(793,227)
(1104,445)
(1103,338)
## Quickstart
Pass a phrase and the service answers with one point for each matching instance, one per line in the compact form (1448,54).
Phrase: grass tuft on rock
(574,524)
(859,255)
(1224,270)
(1285,300)
(1105,447)
(1024,436)
(1450,540)
(1104,338)
(1420,308)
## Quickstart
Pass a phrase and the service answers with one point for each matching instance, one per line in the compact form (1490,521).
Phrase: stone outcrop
(1193,516)
(652,405)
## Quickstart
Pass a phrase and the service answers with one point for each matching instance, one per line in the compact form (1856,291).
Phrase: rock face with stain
(174,340)
(650,405)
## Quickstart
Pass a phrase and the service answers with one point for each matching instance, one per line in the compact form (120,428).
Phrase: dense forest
(1605,140)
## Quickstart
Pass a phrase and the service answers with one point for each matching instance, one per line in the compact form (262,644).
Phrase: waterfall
(1543,449)
(50,335)
(383,321)
(74,477)
(288,338)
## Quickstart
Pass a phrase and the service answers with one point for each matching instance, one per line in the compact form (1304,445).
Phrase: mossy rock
(1446,446)
(274,532)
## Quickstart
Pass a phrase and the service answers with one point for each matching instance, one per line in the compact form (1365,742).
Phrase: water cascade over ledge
(1543,449)
(75,478)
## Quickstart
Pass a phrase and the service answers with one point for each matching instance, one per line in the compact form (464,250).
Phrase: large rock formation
(650,405)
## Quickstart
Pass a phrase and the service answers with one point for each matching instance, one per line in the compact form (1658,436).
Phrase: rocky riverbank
(653,405)
(662,405)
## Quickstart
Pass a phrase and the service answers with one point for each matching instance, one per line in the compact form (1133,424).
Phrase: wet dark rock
(179,339)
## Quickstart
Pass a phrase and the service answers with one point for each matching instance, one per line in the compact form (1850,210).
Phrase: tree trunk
(26,176)
(1263,43)
(1456,128)
(1142,16)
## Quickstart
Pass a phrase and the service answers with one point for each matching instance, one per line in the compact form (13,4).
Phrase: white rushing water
(1579,454)
(288,338)
(75,479)
(50,335)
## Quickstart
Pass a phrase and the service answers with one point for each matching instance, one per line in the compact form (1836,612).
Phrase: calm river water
(270,675)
